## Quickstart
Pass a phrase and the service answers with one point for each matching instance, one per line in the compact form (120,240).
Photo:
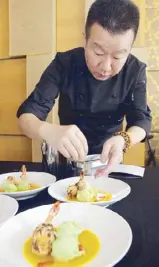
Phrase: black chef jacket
(96,107)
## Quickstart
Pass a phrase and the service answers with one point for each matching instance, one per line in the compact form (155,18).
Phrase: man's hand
(112,154)
(68,140)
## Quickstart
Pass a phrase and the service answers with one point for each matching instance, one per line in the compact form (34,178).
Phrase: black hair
(116,16)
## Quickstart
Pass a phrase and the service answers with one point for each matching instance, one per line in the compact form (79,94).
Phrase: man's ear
(84,38)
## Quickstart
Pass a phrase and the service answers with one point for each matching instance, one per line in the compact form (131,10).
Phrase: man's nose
(106,65)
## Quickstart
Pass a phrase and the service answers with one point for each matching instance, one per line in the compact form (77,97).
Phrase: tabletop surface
(140,209)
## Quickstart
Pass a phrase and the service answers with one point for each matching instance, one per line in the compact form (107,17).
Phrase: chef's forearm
(137,134)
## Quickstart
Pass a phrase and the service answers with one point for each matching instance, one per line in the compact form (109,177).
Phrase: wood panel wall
(13,145)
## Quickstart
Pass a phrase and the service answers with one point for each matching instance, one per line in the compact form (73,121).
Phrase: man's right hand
(68,140)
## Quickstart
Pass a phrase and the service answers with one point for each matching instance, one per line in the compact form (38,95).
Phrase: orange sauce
(87,239)
(34,186)
(106,198)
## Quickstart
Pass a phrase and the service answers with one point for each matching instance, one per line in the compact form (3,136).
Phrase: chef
(98,85)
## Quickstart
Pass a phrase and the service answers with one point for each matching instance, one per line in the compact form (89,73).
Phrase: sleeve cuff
(23,110)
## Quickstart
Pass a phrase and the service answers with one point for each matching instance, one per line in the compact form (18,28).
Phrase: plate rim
(16,208)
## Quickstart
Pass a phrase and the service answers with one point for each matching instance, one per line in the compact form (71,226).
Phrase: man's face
(106,53)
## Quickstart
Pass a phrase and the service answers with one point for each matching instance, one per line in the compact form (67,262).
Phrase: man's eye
(98,54)
(117,58)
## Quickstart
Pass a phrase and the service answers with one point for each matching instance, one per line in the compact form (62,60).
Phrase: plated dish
(24,184)
(74,235)
(17,184)
(67,244)
(82,191)
(101,191)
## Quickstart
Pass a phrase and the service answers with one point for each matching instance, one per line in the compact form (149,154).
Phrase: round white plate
(8,208)
(117,188)
(113,231)
(41,178)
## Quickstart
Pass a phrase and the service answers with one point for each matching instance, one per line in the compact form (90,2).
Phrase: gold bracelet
(127,139)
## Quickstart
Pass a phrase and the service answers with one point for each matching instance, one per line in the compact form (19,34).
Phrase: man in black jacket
(98,86)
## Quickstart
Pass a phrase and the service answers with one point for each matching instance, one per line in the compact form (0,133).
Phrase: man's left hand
(112,155)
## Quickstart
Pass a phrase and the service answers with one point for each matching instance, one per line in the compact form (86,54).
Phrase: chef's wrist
(125,137)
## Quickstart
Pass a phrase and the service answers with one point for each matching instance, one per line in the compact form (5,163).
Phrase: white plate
(113,231)
(117,188)
(41,178)
(8,208)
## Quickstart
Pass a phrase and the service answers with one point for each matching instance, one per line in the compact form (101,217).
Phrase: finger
(102,172)
(64,152)
(111,164)
(99,172)
(72,148)
(114,159)
(83,141)
(78,146)
(105,153)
